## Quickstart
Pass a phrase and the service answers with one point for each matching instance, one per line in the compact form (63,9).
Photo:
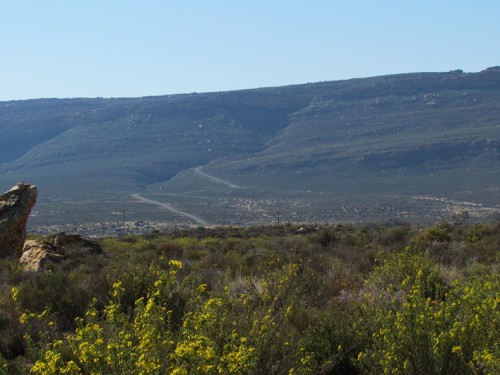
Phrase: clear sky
(115,48)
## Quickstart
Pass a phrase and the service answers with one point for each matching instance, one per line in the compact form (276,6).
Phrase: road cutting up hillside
(198,171)
(168,207)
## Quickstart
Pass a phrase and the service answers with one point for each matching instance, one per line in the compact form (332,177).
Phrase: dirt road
(168,207)
(197,170)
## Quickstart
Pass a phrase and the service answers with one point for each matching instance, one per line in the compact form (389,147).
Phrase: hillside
(422,145)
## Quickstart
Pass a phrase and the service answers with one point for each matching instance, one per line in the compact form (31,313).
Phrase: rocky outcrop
(15,208)
(74,244)
(36,255)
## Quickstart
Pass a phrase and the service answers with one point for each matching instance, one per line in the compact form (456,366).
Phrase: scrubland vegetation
(262,300)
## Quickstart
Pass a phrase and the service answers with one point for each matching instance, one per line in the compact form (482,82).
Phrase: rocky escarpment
(15,208)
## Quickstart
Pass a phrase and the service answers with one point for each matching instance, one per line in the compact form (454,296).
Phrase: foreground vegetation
(262,300)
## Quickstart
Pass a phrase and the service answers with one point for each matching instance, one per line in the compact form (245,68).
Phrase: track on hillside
(168,207)
(197,170)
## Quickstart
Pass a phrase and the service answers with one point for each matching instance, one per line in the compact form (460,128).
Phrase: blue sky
(116,48)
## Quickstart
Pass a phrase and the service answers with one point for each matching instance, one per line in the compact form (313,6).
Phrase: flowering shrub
(412,329)
(115,344)
(299,304)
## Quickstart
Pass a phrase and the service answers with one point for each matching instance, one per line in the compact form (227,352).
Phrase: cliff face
(15,208)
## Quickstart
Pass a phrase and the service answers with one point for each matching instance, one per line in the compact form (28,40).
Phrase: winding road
(168,207)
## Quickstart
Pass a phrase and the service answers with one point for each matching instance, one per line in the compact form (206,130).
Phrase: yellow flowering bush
(206,344)
(305,303)
(115,344)
(52,363)
(412,331)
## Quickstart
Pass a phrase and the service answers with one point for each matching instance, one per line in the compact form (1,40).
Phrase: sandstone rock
(15,208)
(36,254)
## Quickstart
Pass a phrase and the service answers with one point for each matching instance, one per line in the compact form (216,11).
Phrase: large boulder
(15,208)
(36,254)
(74,244)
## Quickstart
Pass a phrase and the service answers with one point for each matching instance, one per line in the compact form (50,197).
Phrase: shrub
(170,250)
(414,327)
(274,303)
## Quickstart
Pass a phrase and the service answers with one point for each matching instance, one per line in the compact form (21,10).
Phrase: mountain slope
(136,142)
(412,135)
(312,146)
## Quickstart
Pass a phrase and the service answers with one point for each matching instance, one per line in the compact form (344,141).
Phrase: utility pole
(123,226)
(278,217)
